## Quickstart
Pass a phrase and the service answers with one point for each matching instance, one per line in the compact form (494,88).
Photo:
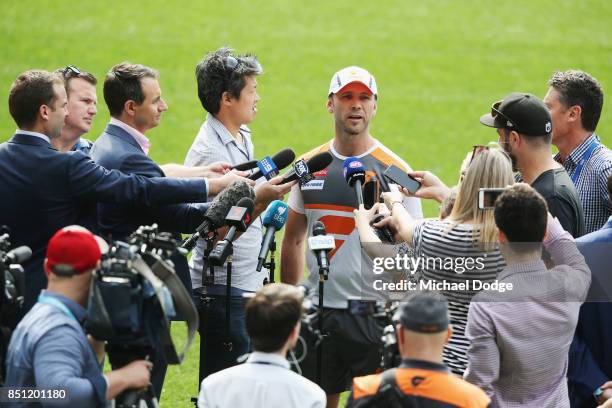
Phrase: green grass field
(439,65)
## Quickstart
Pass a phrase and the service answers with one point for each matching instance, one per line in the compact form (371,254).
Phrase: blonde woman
(461,249)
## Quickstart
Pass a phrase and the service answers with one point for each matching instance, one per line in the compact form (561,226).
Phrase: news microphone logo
(279,214)
(267,167)
(321,242)
(302,172)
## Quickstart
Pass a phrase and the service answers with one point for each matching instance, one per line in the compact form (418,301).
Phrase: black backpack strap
(388,390)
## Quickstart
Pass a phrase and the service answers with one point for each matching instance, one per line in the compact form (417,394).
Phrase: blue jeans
(217,356)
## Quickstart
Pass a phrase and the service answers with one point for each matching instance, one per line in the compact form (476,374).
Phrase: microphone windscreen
(353,170)
(283,158)
(319,162)
(318,229)
(276,215)
(226,199)
(19,254)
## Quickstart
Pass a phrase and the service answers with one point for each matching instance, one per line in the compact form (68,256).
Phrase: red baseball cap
(73,250)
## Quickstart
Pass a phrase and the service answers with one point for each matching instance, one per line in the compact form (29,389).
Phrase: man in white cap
(49,349)
(351,347)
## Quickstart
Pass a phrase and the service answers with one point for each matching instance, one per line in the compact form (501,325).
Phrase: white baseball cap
(349,75)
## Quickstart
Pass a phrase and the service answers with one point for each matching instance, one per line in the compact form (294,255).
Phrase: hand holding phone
(398,176)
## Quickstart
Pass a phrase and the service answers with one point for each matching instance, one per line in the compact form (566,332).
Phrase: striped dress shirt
(592,181)
(519,340)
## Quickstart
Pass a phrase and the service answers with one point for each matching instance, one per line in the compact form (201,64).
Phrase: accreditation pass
(32,394)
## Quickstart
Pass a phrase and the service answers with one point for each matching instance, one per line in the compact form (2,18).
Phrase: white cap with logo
(349,75)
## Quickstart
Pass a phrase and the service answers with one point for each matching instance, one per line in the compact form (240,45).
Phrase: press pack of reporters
(46,190)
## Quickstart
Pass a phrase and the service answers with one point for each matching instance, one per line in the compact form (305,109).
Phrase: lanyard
(585,157)
(48,300)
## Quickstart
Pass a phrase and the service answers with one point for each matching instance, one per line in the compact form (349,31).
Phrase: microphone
(321,244)
(245,166)
(274,219)
(268,167)
(19,255)
(215,215)
(303,170)
(238,218)
(354,173)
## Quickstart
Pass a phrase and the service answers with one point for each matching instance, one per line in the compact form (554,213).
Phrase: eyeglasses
(495,112)
(231,62)
(71,71)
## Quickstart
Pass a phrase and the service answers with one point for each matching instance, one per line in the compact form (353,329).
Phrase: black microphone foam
(316,163)
(318,229)
(281,159)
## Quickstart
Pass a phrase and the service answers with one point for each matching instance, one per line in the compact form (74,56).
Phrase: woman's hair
(490,168)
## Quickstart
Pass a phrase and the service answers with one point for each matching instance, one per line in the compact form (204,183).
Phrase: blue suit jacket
(590,359)
(43,190)
(116,149)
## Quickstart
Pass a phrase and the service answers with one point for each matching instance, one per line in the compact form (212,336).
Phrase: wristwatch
(597,393)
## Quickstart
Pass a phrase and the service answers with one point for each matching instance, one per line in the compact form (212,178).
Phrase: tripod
(271,265)
(323,276)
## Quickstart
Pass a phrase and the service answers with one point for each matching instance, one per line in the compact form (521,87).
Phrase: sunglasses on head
(477,149)
(71,71)
(496,112)
(231,62)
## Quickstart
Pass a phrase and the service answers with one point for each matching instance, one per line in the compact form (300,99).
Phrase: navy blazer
(117,149)
(43,190)
(590,359)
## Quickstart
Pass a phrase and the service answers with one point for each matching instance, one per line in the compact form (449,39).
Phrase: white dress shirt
(263,381)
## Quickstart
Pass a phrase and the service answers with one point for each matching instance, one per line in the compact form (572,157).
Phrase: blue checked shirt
(592,182)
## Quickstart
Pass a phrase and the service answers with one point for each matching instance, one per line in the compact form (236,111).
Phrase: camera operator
(422,332)
(49,348)
(519,339)
(265,380)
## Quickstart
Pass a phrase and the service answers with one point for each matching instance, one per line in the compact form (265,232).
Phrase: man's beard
(508,150)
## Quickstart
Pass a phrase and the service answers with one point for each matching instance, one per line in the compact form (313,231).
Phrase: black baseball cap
(424,312)
(522,112)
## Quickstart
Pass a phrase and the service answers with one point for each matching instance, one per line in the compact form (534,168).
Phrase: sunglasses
(71,71)
(231,62)
(496,112)
(477,149)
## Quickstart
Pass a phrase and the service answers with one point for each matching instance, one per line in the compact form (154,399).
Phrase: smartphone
(487,197)
(399,176)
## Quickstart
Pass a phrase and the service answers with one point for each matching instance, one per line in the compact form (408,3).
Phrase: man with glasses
(82,108)
(524,127)
(575,100)
(227,88)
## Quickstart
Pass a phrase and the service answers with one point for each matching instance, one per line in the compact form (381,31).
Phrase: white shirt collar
(268,358)
(341,157)
(37,134)
(140,138)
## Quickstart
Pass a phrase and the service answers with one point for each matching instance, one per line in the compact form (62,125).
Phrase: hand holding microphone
(274,220)
(215,215)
